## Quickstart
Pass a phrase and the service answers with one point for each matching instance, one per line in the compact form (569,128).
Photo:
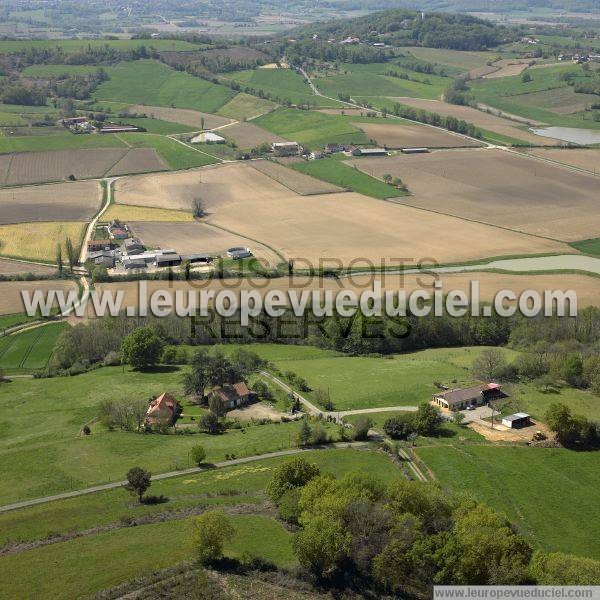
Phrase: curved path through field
(336,415)
(171,474)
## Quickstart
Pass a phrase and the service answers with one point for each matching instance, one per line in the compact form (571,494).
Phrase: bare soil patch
(139,160)
(587,287)
(335,227)
(501,433)
(302,184)
(185,116)
(506,68)
(583,159)
(196,237)
(248,135)
(213,184)
(499,188)
(11,300)
(258,410)
(56,165)
(14,267)
(410,136)
(480,119)
(77,201)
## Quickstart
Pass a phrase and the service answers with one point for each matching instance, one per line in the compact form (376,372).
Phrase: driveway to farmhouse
(480,413)
(336,415)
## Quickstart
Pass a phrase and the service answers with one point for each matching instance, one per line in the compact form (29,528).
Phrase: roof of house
(161,403)
(372,150)
(516,417)
(133,242)
(232,392)
(284,144)
(102,242)
(461,395)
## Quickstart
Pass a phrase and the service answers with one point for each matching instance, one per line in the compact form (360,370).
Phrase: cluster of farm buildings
(282,149)
(115,247)
(476,396)
(84,125)
(164,409)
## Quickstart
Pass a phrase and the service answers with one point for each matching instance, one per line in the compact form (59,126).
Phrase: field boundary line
(172,137)
(283,258)
(30,348)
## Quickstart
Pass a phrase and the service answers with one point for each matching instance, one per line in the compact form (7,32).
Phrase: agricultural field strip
(440,171)
(255,194)
(179,473)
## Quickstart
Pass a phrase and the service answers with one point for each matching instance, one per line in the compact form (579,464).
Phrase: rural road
(171,474)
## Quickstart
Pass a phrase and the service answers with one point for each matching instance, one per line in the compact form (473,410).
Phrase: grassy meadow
(588,246)
(282,84)
(74,45)
(358,80)
(245,106)
(312,129)
(40,432)
(348,177)
(177,155)
(530,485)
(255,534)
(546,98)
(30,350)
(155,84)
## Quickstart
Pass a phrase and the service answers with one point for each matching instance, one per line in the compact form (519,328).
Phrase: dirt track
(76,201)
(499,188)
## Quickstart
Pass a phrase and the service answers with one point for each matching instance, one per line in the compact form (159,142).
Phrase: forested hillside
(405,27)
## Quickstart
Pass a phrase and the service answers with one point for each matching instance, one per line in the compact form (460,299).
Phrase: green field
(550,494)
(12,46)
(7,321)
(40,433)
(63,141)
(359,80)
(177,155)
(348,177)
(543,99)
(460,60)
(155,84)
(29,350)
(58,70)
(229,485)
(10,119)
(368,382)
(588,246)
(130,552)
(282,84)
(244,106)
(311,129)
